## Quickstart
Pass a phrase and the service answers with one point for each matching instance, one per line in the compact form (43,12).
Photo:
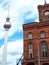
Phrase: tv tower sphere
(7,25)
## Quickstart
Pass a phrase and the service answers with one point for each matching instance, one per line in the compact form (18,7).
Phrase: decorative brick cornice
(43,6)
(35,25)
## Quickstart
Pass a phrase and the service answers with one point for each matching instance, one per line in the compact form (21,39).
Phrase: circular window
(46,12)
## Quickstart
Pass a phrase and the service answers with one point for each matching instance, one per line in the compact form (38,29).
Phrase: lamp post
(7,26)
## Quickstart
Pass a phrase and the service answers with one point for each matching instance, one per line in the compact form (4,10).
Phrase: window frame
(42,34)
(30,45)
(30,50)
(44,49)
(29,35)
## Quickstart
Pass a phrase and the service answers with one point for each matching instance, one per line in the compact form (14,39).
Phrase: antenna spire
(8,7)
(8,19)
(45,2)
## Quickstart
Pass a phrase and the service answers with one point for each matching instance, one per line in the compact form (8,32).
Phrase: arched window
(42,34)
(44,49)
(29,35)
(30,50)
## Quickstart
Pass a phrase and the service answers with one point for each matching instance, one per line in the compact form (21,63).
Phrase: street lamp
(7,26)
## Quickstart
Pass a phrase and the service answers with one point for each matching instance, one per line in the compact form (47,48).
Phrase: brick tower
(36,39)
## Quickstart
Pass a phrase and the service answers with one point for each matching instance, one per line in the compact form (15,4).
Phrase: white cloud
(1,34)
(17,11)
(14,52)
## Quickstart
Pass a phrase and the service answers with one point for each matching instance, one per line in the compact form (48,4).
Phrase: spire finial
(8,7)
(8,19)
(45,1)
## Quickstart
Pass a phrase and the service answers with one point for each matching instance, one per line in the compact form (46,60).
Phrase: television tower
(7,26)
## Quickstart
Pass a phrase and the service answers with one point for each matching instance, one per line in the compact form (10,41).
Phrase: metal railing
(19,60)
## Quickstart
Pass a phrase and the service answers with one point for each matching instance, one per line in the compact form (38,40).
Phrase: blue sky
(20,12)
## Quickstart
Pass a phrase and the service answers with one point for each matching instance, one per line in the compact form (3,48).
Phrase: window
(30,46)
(30,50)
(47,18)
(46,12)
(42,34)
(30,55)
(30,35)
(44,49)
(44,54)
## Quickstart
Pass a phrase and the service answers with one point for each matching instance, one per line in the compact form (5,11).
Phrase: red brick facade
(39,53)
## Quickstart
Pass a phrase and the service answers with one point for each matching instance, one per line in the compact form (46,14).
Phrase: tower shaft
(4,56)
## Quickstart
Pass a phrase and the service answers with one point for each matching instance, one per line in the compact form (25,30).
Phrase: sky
(20,12)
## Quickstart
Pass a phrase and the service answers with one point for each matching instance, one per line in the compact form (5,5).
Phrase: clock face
(46,12)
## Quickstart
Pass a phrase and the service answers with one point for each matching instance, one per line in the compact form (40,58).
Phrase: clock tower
(43,12)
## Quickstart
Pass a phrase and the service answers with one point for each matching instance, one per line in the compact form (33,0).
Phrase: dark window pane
(44,54)
(30,55)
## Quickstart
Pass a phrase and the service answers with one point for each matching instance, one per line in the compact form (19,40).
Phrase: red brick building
(36,39)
